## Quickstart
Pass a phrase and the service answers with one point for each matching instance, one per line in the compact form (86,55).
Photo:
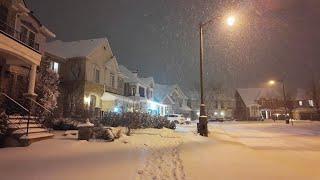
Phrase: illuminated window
(54,66)
(311,103)
(300,103)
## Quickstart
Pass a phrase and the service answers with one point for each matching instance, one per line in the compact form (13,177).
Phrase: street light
(203,119)
(273,82)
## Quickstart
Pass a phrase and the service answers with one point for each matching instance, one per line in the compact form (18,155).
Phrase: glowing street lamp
(231,20)
(203,118)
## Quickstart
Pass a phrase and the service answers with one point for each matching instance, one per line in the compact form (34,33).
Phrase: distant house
(219,105)
(303,106)
(141,93)
(257,103)
(174,98)
(193,101)
(90,70)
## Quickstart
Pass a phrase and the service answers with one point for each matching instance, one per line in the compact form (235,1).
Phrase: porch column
(32,79)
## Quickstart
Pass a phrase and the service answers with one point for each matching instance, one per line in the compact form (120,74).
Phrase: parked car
(176,118)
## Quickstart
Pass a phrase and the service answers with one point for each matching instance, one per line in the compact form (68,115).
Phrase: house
(141,92)
(173,97)
(193,101)
(219,105)
(257,103)
(303,106)
(22,44)
(90,71)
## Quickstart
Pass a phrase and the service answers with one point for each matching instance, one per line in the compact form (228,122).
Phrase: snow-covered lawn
(233,151)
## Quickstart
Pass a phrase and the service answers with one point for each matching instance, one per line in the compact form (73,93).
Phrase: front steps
(18,130)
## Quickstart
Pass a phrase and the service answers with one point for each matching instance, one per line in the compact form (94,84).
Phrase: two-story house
(303,106)
(90,70)
(22,43)
(141,92)
(174,98)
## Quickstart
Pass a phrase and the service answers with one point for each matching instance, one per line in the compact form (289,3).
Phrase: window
(24,34)
(133,93)
(311,103)
(54,66)
(3,17)
(141,92)
(31,40)
(93,100)
(112,80)
(300,103)
(97,75)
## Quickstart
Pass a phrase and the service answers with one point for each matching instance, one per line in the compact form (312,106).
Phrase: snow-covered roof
(81,48)
(302,94)
(147,80)
(163,90)
(251,95)
(130,77)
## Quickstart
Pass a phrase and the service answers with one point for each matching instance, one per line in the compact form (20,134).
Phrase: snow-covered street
(247,150)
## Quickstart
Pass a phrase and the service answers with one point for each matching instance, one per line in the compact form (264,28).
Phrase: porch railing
(22,107)
(18,36)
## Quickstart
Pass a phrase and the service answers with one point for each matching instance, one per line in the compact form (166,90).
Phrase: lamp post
(203,118)
(272,82)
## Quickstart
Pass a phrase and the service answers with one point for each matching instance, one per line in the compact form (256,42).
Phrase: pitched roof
(81,48)
(130,77)
(251,95)
(302,94)
(162,90)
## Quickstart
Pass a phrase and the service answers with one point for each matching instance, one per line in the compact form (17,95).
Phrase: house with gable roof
(90,70)
(141,92)
(257,103)
(174,98)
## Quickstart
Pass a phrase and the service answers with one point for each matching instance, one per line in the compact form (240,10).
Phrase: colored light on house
(116,110)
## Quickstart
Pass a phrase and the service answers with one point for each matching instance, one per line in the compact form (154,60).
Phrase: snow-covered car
(176,118)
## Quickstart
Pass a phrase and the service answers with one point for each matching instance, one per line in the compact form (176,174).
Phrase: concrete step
(34,137)
(23,126)
(21,121)
(31,130)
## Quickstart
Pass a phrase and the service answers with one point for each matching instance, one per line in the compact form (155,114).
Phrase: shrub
(3,126)
(135,120)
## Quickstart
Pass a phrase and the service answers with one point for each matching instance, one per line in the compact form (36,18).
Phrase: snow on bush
(47,89)
(135,120)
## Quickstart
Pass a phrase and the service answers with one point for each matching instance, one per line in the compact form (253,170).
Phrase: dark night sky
(274,38)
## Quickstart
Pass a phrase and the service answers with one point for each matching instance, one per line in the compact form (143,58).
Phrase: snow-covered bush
(134,120)
(47,90)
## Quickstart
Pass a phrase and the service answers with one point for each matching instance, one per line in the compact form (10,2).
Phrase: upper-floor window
(141,92)
(300,103)
(311,102)
(97,75)
(112,80)
(120,83)
(3,17)
(28,37)
(54,66)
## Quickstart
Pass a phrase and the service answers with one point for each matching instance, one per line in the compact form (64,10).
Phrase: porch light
(87,100)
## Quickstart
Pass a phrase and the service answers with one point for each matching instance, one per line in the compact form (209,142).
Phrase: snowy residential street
(233,151)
